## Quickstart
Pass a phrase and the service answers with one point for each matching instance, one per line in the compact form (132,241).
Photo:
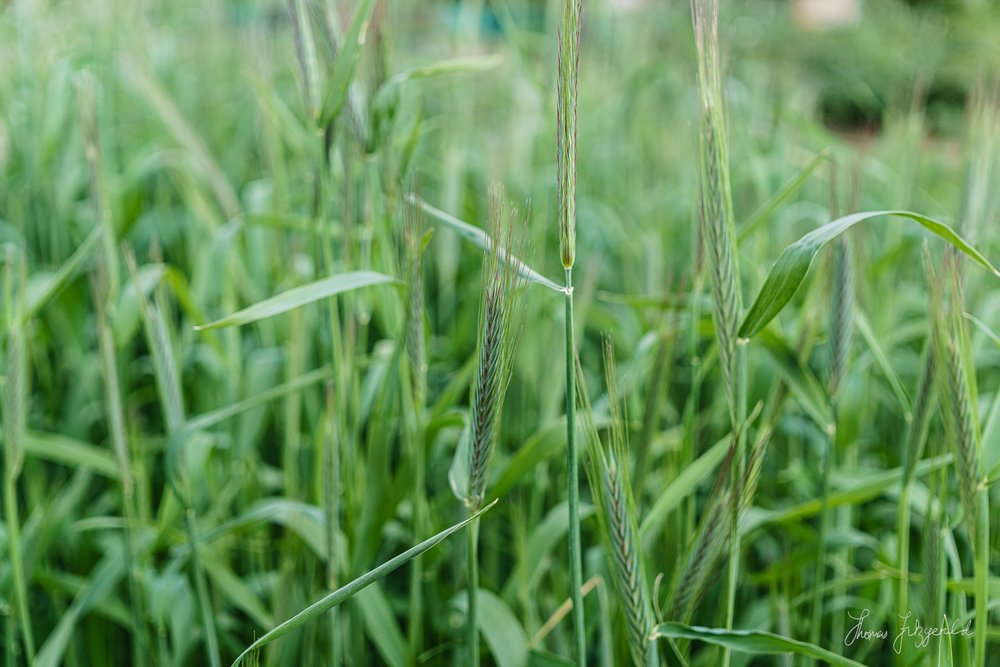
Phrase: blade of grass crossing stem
(568,63)
(321,606)
(793,264)
(482,239)
(15,417)
(300,296)
(752,642)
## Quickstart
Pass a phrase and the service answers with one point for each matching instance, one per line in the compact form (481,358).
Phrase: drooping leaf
(682,486)
(479,237)
(792,266)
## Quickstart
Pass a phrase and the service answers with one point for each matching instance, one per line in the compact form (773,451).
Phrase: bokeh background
(158,170)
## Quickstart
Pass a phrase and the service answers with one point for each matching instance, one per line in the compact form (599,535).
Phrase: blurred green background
(205,167)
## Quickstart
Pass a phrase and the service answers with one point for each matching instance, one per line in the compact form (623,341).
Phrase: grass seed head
(500,319)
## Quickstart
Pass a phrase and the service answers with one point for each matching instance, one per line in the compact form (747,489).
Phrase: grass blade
(752,641)
(300,296)
(339,85)
(481,239)
(319,607)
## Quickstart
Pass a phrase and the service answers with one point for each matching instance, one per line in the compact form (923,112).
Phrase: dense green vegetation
(284,310)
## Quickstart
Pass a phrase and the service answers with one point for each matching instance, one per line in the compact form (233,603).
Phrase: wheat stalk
(608,473)
(500,321)
(568,65)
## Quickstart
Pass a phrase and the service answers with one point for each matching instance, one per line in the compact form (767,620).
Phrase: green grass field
(670,329)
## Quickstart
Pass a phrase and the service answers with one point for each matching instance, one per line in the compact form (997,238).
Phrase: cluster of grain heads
(500,321)
(609,476)
(568,65)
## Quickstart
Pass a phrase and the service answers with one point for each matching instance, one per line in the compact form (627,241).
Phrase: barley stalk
(413,239)
(500,321)
(608,474)
(568,63)
(720,239)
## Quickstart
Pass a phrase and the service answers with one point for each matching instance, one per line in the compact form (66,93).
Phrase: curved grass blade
(792,266)
(463,64)
(300,296)
(318,608)
(804,385)
(42,287)
(479,237)
(782,196)
(752,641)
(683,485)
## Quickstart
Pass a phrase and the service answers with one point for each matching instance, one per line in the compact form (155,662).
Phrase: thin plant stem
(471,621)
(824,527)
(573,490)
(982,572)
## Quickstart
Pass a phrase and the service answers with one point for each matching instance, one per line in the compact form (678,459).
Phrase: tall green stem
(736,481)
(982,572)
(903,535)
(824,521)
(472,620)
(573,490)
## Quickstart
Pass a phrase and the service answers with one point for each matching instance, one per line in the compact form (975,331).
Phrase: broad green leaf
(540,446)
(540,658)
(234,589)
(479,237)
(381,626)
(682,486)
(781,197)
(304,520)
(339,86)
(500,628)
(318,608)
(544,537)
(802,382)
(752,641)
(100,584)
(861,320)
(212,418)
(300,296)
(387,94)
(861,488)
(792,266)
(43,286)
(69,452)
